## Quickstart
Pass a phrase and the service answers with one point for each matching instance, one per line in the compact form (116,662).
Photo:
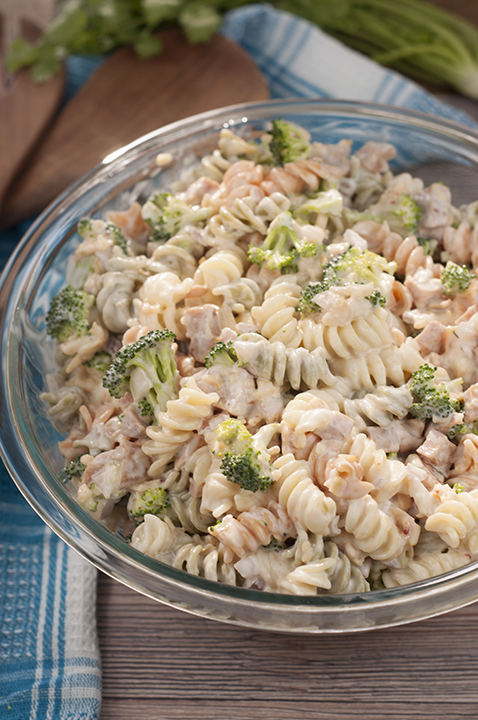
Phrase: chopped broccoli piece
(329,202)
(307,304)
(118,237)
(167,215)
(68,314)
(456,431)
(145,408)
(274,545)
(241,461)
(75,468)
(407,213)
(352,266)
(458,488)
(100,361)
(430,399)
(402,213)
(222,353)
(82,269)
(84,227)
(289,142)
(282,247)
(147,369)
(357,266)
(456,278)
(153,501)
(428,244)
(376,298)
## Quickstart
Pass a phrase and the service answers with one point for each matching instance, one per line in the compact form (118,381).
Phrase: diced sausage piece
(438,451)
(203,328)
(432,339)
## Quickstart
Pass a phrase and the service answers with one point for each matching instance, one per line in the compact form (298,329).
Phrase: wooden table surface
(162,664)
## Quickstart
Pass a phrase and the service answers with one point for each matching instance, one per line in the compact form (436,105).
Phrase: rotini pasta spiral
(371,331)
(242,216)
(390,364)
(374,531)
(275,362)
(277,317)
(161,540)
(317,411)
(156,304)
(182,417)
(425,566)
(306,504)
(219,269)
(379,407)
(456,519)
(387,476)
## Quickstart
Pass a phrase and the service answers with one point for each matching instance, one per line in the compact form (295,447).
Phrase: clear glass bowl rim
(37,489)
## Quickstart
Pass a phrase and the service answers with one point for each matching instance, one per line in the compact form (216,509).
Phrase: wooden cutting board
(126,98)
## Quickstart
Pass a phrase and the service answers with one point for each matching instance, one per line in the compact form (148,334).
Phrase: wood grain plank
(180,666)
(205,709)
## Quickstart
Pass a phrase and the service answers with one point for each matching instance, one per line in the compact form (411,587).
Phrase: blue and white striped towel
(49,660)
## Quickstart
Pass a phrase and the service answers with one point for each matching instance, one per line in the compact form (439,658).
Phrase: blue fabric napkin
(49,659)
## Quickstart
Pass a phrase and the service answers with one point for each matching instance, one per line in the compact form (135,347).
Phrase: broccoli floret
(147,369)
(430,399)
(241,461)
(118,238)
(100,361)
(75,468)
(222,353)
(167,215)
(153,501)
(456,278)
(376,298)
(68,314)
(282,247)
(289,142)
(329,202)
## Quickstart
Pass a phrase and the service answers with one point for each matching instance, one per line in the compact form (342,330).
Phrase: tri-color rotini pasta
(268,373)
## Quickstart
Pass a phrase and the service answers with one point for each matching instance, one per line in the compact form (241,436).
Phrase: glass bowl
(431,148)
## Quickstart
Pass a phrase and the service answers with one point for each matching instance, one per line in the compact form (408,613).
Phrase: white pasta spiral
(275,362)
(277,317)
(426,566)
(387,476)
(389,364)
(306,504)
(182,417)
(457,519)
(359,336)
(161,540)
(244,534)
(381,406)
(374,531)
(219,269)
(245,215)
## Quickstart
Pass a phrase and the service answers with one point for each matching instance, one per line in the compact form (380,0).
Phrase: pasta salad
(268,377)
